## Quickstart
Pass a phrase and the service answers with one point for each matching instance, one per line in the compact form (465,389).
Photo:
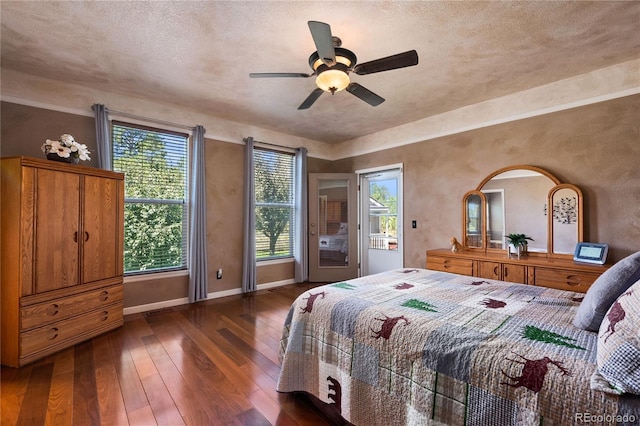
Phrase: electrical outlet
(219,274)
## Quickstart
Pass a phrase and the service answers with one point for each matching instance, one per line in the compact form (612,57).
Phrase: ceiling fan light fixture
(339,60)
(336,77)
(333,80)
(343,57)
(331,64)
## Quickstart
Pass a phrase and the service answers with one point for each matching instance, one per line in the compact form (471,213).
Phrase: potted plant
(519,243)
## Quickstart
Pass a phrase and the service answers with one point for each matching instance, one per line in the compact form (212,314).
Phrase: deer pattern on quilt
(387,326)
(533,372)
(310,300)
(478,282)
(403,286)
(493,303)
(615,315)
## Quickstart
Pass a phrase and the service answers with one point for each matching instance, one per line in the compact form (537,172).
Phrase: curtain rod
(288,148)
(154,120)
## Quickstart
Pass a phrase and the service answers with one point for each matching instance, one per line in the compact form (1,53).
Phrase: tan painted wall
(596,147)
(25,128)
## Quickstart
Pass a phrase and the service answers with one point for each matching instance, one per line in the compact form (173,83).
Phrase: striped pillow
(618,351)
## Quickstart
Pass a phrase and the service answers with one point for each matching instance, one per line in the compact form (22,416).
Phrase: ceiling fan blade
(311,98)
(401,60)
(323,40)
(277,74)
(365,94)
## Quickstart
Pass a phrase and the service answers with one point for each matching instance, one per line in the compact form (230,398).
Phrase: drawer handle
(52,309)
(573,280)
(53,333)
(495,271)
(104,296)
(104,316)
(446,264)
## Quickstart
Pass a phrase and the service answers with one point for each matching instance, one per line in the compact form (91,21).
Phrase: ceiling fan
(331,64)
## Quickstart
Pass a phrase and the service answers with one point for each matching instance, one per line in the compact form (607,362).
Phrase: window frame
(291,205)
(185,223)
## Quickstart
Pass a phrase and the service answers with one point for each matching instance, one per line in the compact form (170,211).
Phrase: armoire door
(100,236)
(57,210)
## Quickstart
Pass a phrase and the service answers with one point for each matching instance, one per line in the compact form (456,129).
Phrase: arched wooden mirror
(565,218)
(473,219)
(523,200)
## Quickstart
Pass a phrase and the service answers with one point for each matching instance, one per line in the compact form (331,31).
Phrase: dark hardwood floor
(210,363)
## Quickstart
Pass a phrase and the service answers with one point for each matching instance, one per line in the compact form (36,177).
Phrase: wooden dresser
(62,256)
(560,273)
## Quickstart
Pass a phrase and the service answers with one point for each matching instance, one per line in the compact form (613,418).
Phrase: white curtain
(301,247)
(198,288)
(249,252)
(103,136)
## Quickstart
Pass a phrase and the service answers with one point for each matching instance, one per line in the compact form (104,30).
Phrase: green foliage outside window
(274,195)
(382,194)
(155,168)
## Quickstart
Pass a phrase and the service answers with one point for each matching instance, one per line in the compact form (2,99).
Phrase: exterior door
(333,233)
(381,221)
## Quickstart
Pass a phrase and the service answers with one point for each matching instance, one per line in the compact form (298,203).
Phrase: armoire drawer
(69,306)
(564,280)
(69,329)
(456,266)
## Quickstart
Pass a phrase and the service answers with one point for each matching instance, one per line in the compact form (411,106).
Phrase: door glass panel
(383,214)
(381,221)
(333,223)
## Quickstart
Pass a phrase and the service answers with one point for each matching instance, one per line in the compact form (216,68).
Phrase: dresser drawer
(565,280)
(69,306)
(453,265)
(70,329)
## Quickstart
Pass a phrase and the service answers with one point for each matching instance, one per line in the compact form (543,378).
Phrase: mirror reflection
(496,230)
(516,204)
(333,218)
(473,221)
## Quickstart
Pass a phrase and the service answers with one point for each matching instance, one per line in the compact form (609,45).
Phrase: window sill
(155,276)
(274,261)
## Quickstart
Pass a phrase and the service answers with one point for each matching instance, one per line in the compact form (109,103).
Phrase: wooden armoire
(62,256)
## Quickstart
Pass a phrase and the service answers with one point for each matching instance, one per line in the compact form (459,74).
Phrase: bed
(335,247)
(415,347)
(334,243)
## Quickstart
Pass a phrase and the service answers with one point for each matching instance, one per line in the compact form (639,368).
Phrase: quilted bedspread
(416,347)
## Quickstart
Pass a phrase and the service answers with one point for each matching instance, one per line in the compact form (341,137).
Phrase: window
(274,177)
(155,165)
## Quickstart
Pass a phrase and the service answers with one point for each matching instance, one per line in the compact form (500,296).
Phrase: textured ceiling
(199,54)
